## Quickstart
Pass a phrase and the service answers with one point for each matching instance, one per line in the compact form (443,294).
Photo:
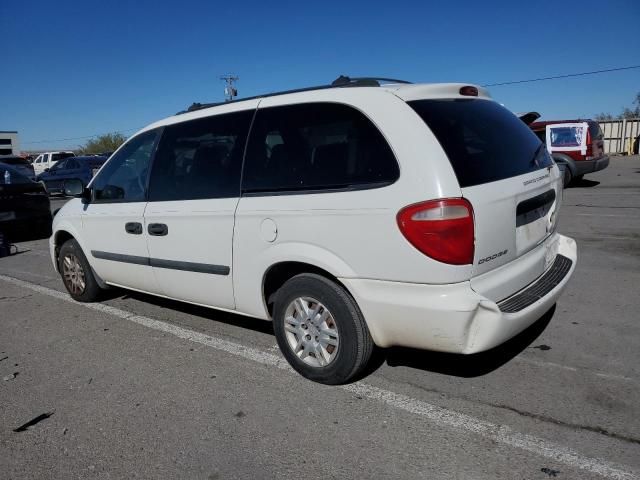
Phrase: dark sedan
(22,165)
(25,210)
(72,168)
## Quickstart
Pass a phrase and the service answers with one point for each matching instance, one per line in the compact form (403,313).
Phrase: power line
(514,82)
(581,74)
(79,138)
(229,90)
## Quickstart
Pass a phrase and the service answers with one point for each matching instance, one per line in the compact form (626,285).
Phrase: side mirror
(47,169)
(74,188)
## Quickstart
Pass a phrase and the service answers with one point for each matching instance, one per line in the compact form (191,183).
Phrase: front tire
(320,330)
(76,273)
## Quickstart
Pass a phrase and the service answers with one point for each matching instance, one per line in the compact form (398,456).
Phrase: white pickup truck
(48,160)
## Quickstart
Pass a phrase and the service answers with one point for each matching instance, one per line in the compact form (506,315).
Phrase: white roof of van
(405,91)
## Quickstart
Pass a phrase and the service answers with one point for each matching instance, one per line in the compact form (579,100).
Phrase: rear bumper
(590,166)
(455,318)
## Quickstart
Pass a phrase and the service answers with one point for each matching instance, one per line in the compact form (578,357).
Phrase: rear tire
(568,177)
(76,273)
(320,330)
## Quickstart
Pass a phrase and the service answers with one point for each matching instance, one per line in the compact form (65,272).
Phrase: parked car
(380,214)
(577,146)
(81,168)
(24,204)
(22,165)
(48,160)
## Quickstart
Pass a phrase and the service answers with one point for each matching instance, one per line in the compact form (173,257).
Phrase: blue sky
(73,68)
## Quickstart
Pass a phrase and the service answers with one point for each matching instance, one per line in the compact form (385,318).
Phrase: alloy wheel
(73,274)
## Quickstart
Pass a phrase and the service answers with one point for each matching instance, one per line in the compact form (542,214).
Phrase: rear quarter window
(595,131)
(484,141)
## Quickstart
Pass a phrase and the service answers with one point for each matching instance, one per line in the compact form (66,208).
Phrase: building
(9,144)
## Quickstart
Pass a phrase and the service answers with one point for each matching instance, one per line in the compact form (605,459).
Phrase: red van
(577,146)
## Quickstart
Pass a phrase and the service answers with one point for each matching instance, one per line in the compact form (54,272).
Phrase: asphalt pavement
(142,387)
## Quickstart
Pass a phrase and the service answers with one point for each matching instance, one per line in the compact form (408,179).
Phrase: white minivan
(47,160)
(358,214)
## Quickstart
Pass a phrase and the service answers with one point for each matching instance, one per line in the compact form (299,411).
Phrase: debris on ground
(32,422)
(550,471)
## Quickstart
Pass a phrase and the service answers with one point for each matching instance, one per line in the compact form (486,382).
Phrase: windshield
(484,141)
(60,156)
(10,176)
(14,161)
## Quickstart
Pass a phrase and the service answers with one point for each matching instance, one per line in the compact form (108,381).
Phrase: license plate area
(534,220)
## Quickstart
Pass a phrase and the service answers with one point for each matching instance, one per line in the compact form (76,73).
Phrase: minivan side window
(59,165)
(124,178)
(71,163)
(60,156)
(200,158)
(316,146)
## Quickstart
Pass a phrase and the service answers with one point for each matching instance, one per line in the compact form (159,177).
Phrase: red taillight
(589,153)
(441,229)
(469,91)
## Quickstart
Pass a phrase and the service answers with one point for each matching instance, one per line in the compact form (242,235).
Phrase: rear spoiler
(528,117)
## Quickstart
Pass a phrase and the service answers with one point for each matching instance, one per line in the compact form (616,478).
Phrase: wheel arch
(63,234)
(566,160)
(279,273)
(60,236)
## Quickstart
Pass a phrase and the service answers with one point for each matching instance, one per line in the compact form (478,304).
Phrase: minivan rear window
(484,141)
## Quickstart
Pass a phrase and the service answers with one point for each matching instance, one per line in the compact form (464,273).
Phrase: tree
(603,117)
(628,113)
(103,143)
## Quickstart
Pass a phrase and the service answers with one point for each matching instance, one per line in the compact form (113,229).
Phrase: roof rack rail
(341,81)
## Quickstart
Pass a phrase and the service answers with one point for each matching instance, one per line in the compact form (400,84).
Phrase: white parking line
(541,363)
(438,415)
(600,215)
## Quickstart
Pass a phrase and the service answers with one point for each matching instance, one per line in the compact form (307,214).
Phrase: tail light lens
(441,229)
(589,153)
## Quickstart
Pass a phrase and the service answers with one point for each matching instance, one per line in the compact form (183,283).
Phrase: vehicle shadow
(18,236)
(468,366)
(457,365)
(583,183)
(195,310)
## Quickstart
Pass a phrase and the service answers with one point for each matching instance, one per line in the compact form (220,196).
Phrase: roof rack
(340,82)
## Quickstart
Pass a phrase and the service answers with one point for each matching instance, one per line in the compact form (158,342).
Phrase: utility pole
(229,90)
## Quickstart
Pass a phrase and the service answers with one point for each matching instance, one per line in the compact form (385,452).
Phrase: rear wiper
(535,155)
